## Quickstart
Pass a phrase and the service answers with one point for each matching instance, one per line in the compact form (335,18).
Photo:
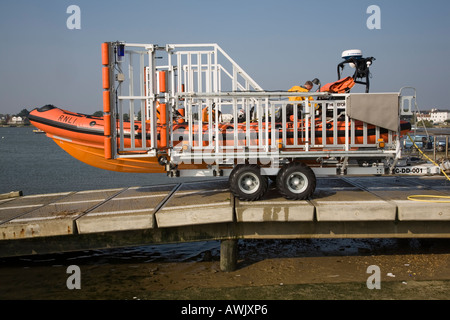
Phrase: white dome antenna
(353,53)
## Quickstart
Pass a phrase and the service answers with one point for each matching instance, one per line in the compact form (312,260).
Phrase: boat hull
(95,156)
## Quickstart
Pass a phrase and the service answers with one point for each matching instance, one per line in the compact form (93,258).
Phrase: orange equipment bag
(341,86)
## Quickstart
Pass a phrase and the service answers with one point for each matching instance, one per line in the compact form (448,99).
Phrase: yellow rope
(413,198)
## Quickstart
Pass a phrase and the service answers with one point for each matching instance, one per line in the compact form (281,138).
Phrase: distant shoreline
(15,125)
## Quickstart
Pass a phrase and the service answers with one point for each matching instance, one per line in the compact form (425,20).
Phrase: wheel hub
(249,183)
(297,182)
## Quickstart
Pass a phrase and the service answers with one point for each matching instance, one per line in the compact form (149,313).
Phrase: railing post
(434,148)
(446,147)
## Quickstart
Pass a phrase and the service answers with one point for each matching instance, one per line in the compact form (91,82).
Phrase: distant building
(439,116)
(15,120)
(423,116)
(434,115)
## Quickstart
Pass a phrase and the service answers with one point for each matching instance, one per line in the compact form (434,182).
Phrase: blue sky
(278,43)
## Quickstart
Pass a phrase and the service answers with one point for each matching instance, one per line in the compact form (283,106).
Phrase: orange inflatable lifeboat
(83,137)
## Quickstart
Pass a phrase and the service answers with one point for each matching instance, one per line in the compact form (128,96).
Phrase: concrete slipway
(341,207)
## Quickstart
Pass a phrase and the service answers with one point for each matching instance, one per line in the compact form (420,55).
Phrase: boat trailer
(229,123)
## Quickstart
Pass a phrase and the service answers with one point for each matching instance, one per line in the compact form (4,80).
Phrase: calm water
(34,164)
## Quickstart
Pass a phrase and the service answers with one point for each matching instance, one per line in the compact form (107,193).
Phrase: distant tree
(126,117)
(24,113)
(426,123)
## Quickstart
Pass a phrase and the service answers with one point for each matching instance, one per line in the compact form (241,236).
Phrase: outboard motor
(361,65)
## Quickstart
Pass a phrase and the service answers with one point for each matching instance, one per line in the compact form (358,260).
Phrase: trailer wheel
(296,181)
(247,183)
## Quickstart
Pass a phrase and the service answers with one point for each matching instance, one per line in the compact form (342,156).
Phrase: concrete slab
(197,203)
(333,184)
(422,211)
(132,209)
(385,183)
(409,210)
(54,214)
(436,183)
(274,208)
(397,190)
(12,208)
(351,205)
(2,201)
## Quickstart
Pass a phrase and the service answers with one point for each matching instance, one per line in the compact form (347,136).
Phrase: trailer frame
(199,85)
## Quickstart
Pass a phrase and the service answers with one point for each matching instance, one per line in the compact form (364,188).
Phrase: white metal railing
(195,68)
(200,85)
(302,132)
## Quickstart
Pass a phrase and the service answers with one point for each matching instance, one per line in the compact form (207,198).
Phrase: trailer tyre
(247,183)
(296,181)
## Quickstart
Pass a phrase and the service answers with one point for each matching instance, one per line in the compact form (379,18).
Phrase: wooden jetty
(341,207)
